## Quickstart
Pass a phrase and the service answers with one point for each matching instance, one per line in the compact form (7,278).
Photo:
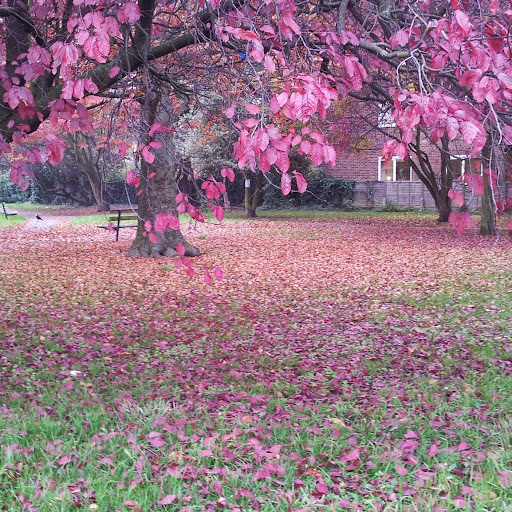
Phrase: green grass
(84,440)
(329,214)
(101,219)
(20,206)
(57,458)
(13,220)
(35,206)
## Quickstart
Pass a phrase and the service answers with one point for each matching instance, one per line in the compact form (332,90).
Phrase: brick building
(367,164)
(396,182)
(378,184)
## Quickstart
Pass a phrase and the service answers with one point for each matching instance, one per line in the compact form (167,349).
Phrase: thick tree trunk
(252,195)
(437,186)
(444,208)
(159,191)
(99,189)
(15,41)
(443,202)
(488,218)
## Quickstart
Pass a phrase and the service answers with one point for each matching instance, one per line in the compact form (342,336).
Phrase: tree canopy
(444,66)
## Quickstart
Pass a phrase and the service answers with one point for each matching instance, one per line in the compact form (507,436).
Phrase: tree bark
(158,192)
(249,213)
(252,195)
(99,190)
(437,186)
(444,203)
(488,217)
(87,161)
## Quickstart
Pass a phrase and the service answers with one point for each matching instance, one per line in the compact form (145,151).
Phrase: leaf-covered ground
(343,363)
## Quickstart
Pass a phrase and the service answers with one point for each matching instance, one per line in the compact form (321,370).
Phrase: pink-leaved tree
(446,64)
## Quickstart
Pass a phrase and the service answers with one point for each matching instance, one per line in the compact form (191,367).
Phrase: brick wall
(363,165)
(359,165)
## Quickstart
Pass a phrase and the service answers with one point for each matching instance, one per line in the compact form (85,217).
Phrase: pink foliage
(132,178)
(302,184)
(19,173)
(286,183)
(460,221)
(129,13)
(456,196)
(228,173)
(475,182)
(55,147)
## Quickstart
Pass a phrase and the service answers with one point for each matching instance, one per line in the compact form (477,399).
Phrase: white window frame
(465,158)
(395,159)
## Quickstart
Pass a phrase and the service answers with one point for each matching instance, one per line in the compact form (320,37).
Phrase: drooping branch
(19,13)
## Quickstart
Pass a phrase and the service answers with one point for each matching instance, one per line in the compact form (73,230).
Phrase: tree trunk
(99,189)
(444,207)
(249,212)
(443,201)
(488,218)
(438,187)
(159,191)
(252,195)
(86,160)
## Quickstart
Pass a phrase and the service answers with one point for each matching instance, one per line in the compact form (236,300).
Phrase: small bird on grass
(38,218)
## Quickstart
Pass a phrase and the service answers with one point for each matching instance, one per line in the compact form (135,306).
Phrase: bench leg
(118,224)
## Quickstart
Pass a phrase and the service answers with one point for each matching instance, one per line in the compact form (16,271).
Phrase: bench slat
(118,217)
(124,217)
(115,227)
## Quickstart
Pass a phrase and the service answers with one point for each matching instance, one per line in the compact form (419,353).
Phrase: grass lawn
(13,220)
(312,215)
(99,219)
(19,206)
(344,362)
(34,206)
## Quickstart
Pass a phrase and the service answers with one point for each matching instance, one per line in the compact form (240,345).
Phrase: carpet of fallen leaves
(335,366)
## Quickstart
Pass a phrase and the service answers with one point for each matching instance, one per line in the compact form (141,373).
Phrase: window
(459,164)
(396,170)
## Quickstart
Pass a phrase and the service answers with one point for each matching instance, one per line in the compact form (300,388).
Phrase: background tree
(99,160)
(204,143)
(450,64)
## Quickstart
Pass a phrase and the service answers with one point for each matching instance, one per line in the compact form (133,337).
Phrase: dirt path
(46,221)
(53,228)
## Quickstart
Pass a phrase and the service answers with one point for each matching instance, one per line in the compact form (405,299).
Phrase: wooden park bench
(121,215)
(6,213)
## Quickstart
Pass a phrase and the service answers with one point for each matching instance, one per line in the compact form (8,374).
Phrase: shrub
(11,193)
(322,192)
(392,207)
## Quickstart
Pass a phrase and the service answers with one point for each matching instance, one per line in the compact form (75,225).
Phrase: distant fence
(412,194)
